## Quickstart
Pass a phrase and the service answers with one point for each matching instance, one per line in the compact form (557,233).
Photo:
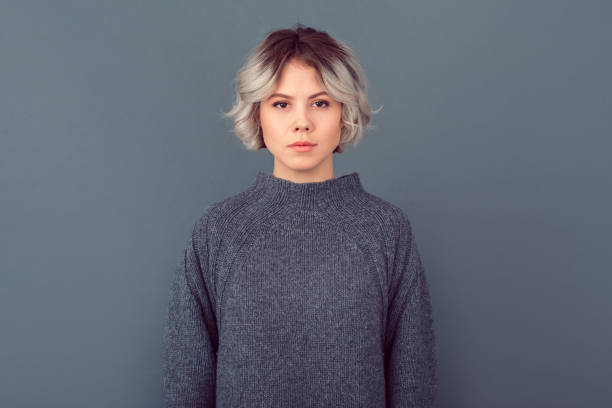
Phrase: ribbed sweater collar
(318,194)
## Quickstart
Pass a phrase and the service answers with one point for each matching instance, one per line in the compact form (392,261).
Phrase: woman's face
(299,110)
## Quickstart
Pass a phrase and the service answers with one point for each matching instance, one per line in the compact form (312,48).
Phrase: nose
(302,121)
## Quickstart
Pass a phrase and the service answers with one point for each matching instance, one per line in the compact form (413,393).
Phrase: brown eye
(325,104)
(279,103)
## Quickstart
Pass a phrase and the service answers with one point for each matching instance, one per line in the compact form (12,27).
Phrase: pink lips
(302,146)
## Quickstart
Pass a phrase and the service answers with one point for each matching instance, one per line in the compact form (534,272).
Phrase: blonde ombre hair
(337,68)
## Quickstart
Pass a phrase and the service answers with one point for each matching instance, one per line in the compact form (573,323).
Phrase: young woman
(302,290)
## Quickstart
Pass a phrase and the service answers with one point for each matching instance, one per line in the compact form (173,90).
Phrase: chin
(301,165)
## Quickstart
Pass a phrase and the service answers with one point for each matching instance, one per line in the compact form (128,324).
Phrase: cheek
(333,122)
(263,117)
(266,120)
(337,117)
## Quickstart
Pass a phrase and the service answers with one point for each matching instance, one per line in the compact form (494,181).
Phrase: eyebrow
(291,97)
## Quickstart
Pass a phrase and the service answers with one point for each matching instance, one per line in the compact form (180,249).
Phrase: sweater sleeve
(190,334)
(410,359)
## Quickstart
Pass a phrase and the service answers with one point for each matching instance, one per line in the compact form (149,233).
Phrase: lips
(301,144)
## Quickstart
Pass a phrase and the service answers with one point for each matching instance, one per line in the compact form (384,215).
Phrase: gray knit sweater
(300,295)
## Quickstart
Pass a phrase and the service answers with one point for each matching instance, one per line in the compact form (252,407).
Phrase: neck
(321,172)
(316,194)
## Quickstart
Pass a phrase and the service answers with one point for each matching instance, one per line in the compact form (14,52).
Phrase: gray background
(494,138)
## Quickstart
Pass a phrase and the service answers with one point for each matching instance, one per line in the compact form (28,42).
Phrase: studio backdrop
(494,138)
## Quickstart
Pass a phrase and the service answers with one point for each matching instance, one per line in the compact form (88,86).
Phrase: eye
(319,104)
(279,103)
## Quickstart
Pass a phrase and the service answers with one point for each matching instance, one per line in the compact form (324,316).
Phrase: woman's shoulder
(221,214)
(385,211)
(228,205)
(381,221)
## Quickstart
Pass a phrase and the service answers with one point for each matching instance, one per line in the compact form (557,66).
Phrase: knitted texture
(300,295)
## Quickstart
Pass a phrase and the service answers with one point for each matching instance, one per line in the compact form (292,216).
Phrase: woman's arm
(190,336)
(410,359)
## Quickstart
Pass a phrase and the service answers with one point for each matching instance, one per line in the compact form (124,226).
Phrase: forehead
(297,75)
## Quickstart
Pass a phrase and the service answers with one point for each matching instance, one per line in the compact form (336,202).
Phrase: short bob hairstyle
(338,70)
